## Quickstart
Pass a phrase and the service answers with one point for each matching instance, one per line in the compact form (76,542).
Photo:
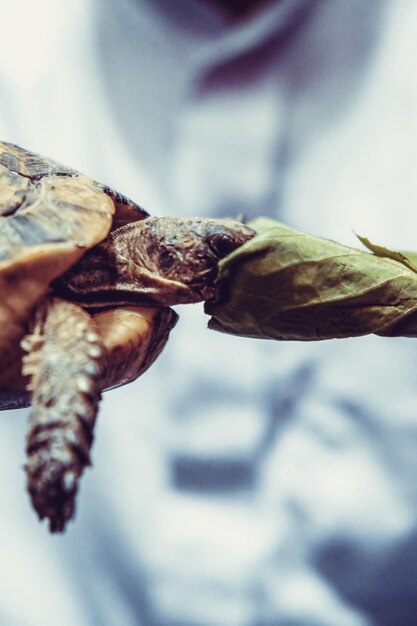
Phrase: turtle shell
(50,215)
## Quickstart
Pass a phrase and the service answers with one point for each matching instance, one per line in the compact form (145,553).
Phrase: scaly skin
(158,261)
(66,365)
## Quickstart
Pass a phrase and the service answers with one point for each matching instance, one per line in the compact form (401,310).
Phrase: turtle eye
(166,260)
(221,244)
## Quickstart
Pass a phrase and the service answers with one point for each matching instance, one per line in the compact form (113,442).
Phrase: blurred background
(238,482)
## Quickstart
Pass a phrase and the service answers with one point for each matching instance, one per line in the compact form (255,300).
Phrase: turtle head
(187,250)
(157,261)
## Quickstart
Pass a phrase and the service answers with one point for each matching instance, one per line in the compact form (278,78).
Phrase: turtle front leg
(65,363)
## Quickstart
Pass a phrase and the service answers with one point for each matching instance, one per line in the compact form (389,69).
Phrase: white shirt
(239,482)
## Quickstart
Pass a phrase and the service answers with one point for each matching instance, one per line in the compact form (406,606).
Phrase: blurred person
(239,482)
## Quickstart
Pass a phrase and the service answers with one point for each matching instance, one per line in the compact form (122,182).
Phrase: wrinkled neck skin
(137,264)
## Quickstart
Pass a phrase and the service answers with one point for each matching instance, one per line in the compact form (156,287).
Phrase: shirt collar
(218,39)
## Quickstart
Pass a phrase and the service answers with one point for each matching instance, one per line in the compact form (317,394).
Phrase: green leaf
(406,258)
(287,285)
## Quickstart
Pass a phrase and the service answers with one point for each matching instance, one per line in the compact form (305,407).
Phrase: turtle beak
(204,285)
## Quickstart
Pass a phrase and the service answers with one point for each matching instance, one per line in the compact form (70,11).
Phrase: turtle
(88,278)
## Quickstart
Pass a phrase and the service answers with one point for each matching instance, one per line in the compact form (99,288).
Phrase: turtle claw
(52,490)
